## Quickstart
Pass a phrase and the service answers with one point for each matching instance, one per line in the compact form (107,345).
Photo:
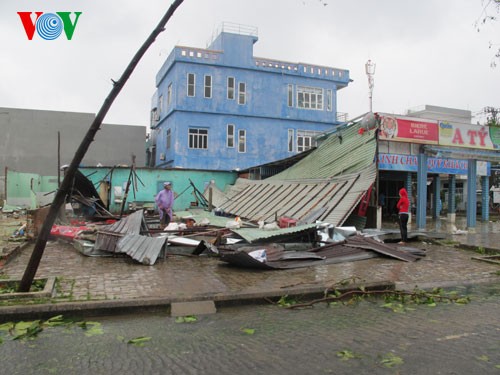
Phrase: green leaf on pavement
(390,360)
(27,330)
(56,321)
(139,341)
(346,355)
(6,326)
(248,331)
(91,328)
(186,319)
(484,358)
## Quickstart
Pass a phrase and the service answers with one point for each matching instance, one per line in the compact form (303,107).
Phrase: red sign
(408,130)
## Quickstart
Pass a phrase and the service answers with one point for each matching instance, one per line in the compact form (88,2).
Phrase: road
(357,338)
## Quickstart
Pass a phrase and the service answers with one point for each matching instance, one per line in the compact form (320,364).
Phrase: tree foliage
(492,116)
(489,13)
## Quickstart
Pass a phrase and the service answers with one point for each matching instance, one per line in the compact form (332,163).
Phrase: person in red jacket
(404,214)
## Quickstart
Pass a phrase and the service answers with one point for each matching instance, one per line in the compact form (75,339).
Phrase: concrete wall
(266,116)
(28,140)
(441,113)
(30,190)
(150,181)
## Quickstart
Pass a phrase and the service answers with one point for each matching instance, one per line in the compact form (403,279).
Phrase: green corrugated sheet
(344,151)
(255,234)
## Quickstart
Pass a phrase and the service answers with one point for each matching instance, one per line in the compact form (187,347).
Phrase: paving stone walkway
(93,283)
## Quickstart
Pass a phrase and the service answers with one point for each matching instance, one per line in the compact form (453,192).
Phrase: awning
(462,153)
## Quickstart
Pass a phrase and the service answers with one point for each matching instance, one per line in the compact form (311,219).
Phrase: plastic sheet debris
(259,255)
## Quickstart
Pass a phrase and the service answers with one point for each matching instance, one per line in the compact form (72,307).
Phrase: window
(154,116)
(290,140)
(169,139)
(290,95)
(191,84)
(306,139)
(169,94)
(230,136)
(198,138)
(242,141)
(160,105)
(309,97)
(208,86)
(329,100)
(230,88)
(242,93)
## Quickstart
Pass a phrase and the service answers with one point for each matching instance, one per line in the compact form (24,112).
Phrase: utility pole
(370,72)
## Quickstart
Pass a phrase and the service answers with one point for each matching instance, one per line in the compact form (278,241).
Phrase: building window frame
(207,92)
(329,100)
(169,94)
(242,141)
(191,85)
(230,87)
(306,139)
(290,95)
(169,139)
(291,136)
(310,98)
(230,136)
(242,93)
(160,105)
(198,138)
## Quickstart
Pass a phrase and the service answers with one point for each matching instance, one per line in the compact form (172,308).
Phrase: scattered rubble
(280,244)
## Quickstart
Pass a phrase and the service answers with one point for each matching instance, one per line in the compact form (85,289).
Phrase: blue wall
(266,116)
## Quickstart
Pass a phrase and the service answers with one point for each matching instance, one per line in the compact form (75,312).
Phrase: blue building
(221,108)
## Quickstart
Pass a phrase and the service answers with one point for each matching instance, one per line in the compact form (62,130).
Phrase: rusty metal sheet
(382,248)
(288,260)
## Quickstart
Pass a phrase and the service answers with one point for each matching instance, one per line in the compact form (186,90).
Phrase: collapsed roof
(326,185)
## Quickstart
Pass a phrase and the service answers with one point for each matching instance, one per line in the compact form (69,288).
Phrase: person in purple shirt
(165,201)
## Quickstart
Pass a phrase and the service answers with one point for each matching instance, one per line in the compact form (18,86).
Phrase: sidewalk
(89,285)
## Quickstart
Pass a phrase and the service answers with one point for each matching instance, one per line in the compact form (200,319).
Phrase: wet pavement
(97,284)
(364,337)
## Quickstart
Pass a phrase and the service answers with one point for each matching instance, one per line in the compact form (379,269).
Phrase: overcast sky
(426,51)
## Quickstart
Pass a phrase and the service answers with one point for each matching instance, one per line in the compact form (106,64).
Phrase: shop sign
(409,163)
(408,130)
(470,136)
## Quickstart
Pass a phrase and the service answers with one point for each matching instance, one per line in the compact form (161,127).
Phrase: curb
(126,306)
(5,259)
(475,248)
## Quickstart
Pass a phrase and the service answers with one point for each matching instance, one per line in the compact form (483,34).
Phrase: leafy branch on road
(30,330)
(394,299)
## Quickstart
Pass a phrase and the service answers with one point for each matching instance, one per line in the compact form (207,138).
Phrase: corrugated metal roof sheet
(353,248)
(109,235)
(264,200)
(141,248)
(256,234)
(342,152)
(337,253)
(326,185)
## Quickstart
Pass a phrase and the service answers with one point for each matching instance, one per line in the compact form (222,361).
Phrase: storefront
(442,165)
